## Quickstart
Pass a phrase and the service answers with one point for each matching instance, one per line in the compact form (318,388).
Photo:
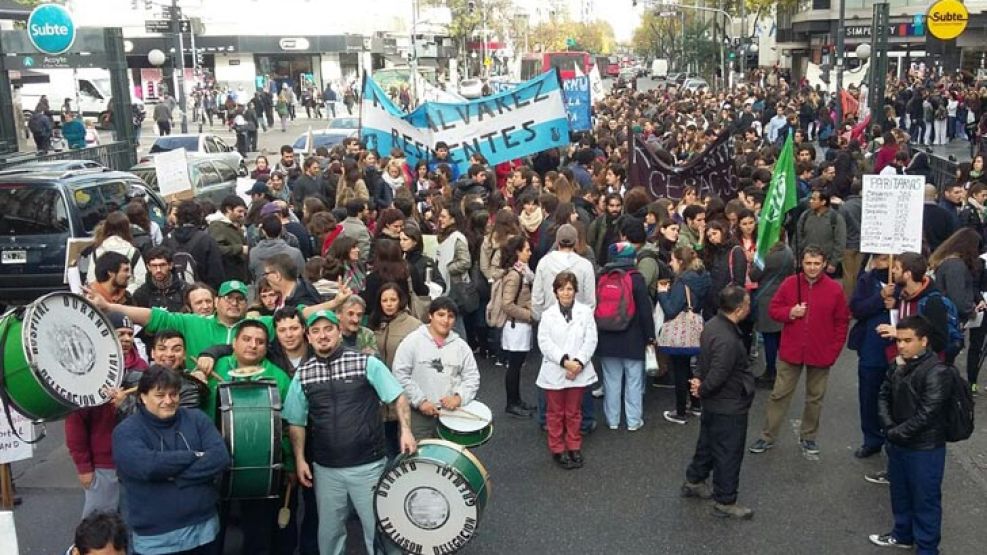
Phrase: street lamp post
(840,61)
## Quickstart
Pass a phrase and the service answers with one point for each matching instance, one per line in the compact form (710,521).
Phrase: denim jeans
(630,373)
(869,383)
(916,496)
(333,487)
(772,341)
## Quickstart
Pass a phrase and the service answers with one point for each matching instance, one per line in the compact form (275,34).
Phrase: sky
(622,17)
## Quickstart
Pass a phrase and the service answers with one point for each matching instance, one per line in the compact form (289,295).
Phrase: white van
(659,67)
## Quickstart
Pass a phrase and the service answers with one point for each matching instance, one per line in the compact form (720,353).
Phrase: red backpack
(615,300)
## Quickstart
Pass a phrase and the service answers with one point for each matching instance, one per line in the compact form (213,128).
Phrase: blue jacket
(167,485)
(74,133)
(673,301)
(868,309)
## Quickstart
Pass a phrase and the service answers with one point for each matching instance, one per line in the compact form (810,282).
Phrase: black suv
(41,209)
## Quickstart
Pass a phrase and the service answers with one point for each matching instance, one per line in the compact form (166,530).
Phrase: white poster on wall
(891,221)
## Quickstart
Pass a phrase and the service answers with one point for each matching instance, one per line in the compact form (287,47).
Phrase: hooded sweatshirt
(551,265)
(429,369)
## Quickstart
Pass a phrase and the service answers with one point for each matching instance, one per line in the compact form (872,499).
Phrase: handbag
(464,294)
(680,336)
(418,304)
(651,361)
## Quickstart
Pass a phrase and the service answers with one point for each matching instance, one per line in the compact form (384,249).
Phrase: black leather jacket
(911,403)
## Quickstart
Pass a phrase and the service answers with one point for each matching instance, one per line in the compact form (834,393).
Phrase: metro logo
(947,19)
(51,29)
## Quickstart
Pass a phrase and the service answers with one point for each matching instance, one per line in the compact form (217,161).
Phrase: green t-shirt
(200,332)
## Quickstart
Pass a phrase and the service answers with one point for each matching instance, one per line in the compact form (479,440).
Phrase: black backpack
(958,407)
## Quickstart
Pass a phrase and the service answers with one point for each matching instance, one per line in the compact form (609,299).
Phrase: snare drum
(250,420)
(432,501)
(60,353)
(470,426)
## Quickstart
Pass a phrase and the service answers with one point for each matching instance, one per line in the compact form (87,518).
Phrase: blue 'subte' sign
(51,29)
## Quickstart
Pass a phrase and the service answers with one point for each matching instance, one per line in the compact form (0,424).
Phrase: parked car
(344,122)
(471,88)
(196,145)
(695,84)
(212,178)
(41,210)
(326,137)
(59,165)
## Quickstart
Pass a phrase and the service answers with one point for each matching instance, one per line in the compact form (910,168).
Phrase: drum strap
(4,399)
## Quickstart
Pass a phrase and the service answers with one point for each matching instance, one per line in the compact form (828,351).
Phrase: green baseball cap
(233,286)
(326,314)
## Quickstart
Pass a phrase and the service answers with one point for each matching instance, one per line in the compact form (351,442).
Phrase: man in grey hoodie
(272,244)
(436,368)
(563,258)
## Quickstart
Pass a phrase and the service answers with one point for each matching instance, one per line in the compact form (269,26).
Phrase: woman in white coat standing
(567,339)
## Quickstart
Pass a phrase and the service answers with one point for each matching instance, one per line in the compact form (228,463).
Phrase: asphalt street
(625,500)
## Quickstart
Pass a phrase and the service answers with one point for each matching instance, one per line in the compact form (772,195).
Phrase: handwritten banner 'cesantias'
(524,120)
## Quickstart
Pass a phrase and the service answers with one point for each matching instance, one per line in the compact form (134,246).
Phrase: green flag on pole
(782,197)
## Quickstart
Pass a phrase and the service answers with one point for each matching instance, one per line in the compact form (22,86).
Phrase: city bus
(533,65)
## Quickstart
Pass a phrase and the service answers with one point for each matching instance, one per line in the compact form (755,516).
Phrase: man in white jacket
(563,258)
(436,368)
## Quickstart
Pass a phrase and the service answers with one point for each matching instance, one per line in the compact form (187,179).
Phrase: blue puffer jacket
(868,309)
(168,486)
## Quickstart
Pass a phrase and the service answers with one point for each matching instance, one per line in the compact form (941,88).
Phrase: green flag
(782,197)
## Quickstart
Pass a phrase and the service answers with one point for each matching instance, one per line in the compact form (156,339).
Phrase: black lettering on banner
(464,112)
(532,134)
(489,137)
(518,102)
(501,105)
(538,87)
(469,149)
(483,110)
(506,133)
(442,120)
(408,142)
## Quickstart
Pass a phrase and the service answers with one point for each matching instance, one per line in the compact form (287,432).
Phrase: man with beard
(347,447)
(603,231)
(163,288)
(310,184)
(227,230)
(693,233)
(288,166)
(112,275)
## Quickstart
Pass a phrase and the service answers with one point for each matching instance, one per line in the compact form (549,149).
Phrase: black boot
(562,459)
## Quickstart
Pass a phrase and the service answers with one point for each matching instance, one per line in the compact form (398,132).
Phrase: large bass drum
(432,500)
(250,420)
(60,353)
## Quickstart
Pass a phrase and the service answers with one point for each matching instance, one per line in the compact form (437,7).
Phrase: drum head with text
(72,349)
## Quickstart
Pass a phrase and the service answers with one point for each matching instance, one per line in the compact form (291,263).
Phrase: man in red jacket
(814,312)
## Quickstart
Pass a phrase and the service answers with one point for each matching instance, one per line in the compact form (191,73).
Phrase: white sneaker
(674,418)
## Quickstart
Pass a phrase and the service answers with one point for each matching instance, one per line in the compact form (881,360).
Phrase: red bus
(533,65)
(613,68)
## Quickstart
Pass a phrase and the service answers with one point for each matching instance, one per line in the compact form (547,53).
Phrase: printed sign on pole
(891,221)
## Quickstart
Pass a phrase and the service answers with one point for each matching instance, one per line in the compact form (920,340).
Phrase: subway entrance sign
(947,19)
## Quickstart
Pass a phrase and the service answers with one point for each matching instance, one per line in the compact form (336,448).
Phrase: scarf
(530,222)
(395,182)
(355,277)
(527,276)
(566,310)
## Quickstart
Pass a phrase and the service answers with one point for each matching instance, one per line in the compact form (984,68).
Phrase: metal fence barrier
(115,155)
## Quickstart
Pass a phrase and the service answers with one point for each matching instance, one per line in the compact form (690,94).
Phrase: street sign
(164,26)
(51,29)
(39,61)
(947,19)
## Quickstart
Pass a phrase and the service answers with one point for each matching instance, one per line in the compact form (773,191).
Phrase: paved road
(625,500)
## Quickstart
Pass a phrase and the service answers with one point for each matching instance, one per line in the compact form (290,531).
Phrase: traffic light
(470,6)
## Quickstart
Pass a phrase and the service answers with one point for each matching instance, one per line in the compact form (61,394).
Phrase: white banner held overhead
(891,221)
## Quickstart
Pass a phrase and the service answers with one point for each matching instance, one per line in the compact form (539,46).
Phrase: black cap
(260,188)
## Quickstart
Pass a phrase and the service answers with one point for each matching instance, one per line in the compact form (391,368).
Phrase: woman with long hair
(343,264)
(351,184)
(505,227)
(262,168)
(114,234)
(454,258)
(391,322)
(724,260)
(145,233)
(389,266)
(267,301)
(412,248)
(390,222)
(515,303)
(310,207)
(393,175)
(690,286)
(959,272)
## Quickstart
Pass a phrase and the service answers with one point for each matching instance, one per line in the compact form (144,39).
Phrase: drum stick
(129,390)
(284,515)
(466,414)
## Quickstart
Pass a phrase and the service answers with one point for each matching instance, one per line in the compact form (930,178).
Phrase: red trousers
(563,415)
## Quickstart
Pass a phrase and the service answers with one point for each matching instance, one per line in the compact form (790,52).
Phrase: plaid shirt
(345,365)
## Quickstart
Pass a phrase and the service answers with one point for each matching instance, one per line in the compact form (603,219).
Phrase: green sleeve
(295,410)
(161,319)
(268,322)
(284,384)
(386,385)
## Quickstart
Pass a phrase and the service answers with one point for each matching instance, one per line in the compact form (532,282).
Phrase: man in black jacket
(725,384)
(911,409)
(163,287)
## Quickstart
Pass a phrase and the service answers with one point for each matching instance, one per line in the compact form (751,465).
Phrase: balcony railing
(115,155)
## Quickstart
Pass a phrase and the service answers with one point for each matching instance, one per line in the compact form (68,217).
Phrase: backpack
(954,341)
(495,308)
(184,263)
(958,407)
(615,300)
(141,239)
